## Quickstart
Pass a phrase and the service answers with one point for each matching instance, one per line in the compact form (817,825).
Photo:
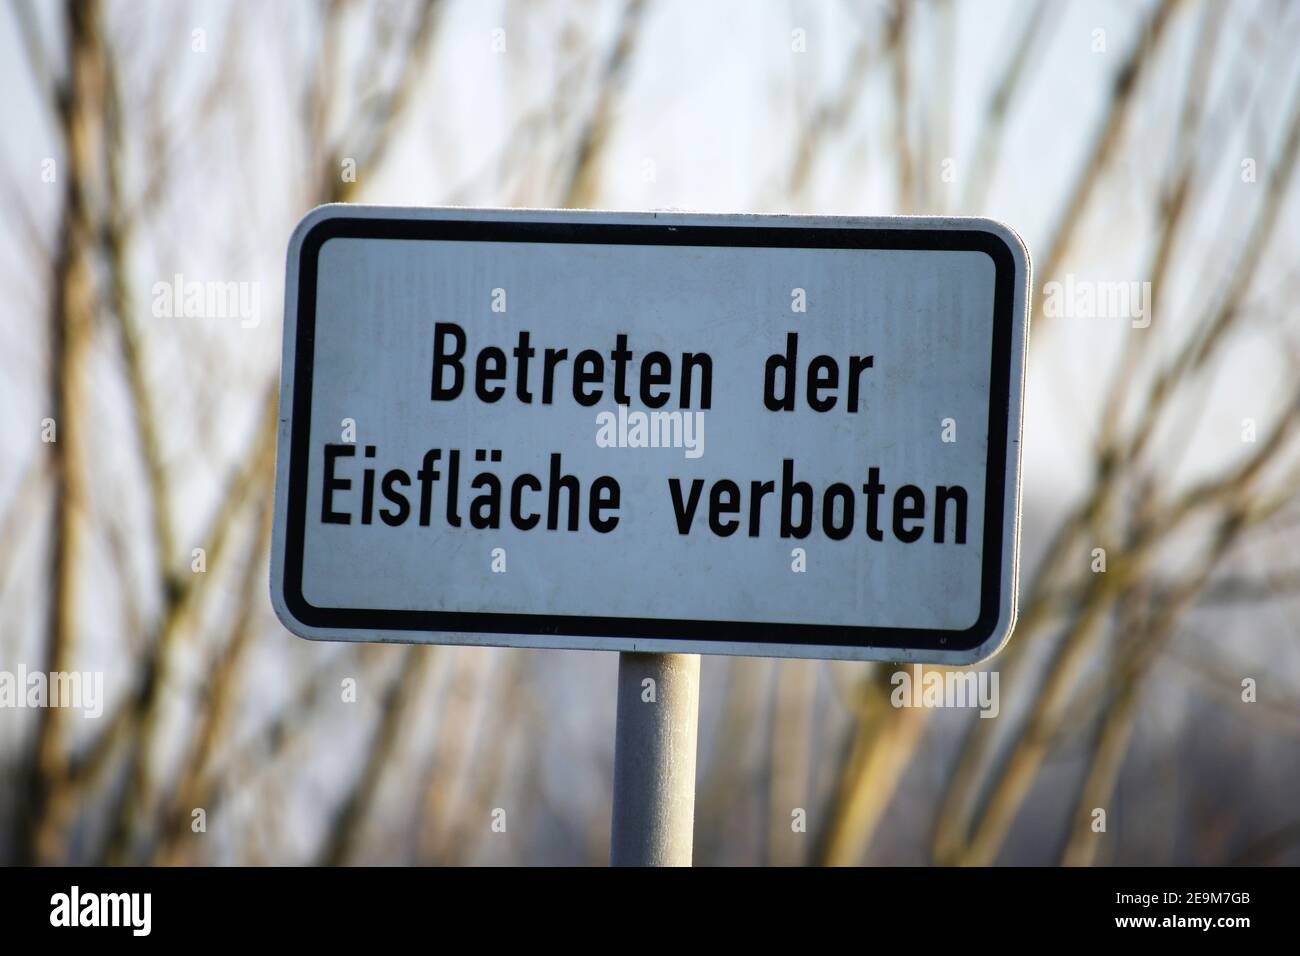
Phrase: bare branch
(579,185)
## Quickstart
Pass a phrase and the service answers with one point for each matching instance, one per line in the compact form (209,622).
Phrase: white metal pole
(654,759)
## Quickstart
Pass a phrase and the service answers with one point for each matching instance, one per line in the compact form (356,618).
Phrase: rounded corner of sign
(1008,239)
(293,622)
(298,629)
(312,221)
(992,645)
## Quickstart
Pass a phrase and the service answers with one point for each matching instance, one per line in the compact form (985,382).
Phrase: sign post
(654,759)
(659,434)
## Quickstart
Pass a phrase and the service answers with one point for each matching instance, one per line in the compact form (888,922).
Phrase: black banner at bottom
(336,907)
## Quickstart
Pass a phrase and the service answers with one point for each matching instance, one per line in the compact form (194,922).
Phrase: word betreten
(522,503)
(490,367)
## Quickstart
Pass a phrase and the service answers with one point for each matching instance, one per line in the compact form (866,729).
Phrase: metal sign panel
(788,436)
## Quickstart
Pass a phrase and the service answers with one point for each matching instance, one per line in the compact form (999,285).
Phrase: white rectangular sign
(767,435)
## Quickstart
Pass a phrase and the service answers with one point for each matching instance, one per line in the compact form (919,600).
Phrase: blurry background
(1126,141)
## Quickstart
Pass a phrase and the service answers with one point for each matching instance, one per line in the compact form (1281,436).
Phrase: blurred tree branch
(80,110)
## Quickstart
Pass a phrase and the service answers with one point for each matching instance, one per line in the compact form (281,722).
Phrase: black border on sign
(666,234)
